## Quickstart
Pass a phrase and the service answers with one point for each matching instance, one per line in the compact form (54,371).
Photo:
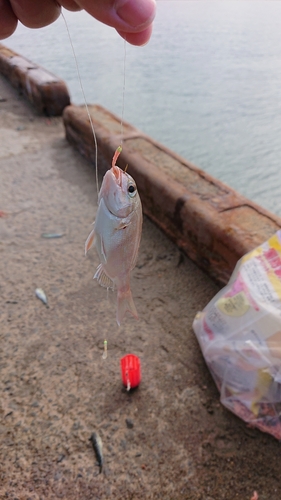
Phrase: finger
(35,14)
(8,20)
(137,14)
(70,5)
(128,16)
(139,39)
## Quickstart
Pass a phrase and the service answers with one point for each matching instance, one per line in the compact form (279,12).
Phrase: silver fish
(97,445)
(52,235)
(40,294)
(116,235)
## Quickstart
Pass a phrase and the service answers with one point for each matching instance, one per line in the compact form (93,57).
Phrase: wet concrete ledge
(212,223)
(44,90)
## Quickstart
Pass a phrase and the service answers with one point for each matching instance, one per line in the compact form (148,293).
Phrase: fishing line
(86,105)
(104,355)
(124,87)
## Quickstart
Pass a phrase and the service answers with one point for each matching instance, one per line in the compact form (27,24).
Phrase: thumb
(126,16)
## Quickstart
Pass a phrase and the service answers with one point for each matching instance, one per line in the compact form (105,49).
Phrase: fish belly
(115,246)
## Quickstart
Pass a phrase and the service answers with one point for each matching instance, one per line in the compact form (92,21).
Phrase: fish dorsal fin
(102,278)
(89,241)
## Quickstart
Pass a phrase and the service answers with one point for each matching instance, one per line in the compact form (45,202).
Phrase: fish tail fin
(125,303)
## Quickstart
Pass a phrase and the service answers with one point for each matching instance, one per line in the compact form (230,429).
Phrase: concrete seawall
(44,90)
(212,223)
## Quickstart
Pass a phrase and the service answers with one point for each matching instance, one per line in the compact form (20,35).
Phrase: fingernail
(136,13)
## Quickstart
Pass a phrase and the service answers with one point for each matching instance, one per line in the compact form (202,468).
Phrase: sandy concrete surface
(170,438)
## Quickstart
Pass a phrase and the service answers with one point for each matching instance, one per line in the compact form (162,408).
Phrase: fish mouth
(116,170)
(117,174)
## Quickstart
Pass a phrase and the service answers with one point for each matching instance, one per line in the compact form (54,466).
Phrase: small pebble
(60,458)
(129,423)
(123,444)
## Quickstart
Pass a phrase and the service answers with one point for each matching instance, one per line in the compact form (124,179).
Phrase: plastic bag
(239,332)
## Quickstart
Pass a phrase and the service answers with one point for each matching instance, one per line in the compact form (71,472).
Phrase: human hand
(131,18)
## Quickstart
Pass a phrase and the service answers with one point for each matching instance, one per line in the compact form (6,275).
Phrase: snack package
(239,332)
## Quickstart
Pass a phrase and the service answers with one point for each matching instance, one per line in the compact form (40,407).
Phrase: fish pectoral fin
(102,278)
(89,241)
(122,225)
(103,251)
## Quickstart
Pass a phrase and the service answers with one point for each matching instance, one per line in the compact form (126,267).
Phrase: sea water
(207,85)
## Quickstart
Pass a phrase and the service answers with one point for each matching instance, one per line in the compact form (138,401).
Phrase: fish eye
(132,190)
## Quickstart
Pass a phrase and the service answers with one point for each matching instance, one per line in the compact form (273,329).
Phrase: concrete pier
(170,439)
